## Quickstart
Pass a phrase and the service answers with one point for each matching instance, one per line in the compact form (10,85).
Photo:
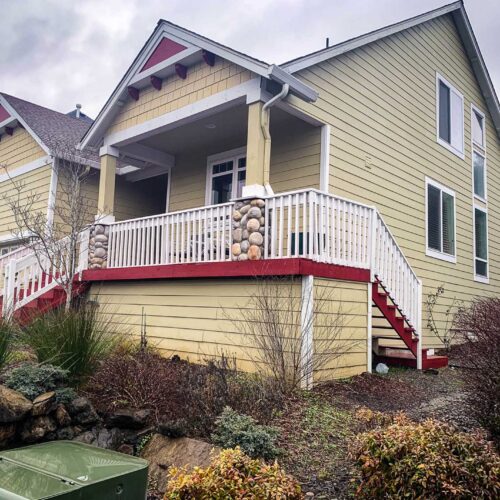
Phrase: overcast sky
(57,52)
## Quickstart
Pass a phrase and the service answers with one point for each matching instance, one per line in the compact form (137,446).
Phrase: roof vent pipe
(327,43)
(78,109)
(264,124)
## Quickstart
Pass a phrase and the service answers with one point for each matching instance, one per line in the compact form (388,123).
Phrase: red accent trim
(164,50)
(181,71)
(254,269)
(208,57)
(156,82)
(133,93)
(9,130)
(4,114)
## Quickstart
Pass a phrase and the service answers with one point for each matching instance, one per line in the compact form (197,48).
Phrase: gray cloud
(57,53)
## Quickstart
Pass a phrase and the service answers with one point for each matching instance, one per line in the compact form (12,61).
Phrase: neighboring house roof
(56,133)
(184,45)
(457,11)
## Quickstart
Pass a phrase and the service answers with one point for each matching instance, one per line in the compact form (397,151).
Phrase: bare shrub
(54,236)
(445,332)
(276,321)
(179,393)
(479,327)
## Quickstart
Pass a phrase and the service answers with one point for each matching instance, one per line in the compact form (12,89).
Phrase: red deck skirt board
(251,269)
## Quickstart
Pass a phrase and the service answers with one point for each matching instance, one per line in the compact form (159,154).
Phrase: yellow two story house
(370,168)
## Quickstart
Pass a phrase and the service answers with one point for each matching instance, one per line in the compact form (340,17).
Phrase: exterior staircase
(395,341)
(47,301)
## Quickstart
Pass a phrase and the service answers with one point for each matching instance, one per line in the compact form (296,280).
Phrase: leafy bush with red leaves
(177,392)
(232,474)
(425,460)
(479,327)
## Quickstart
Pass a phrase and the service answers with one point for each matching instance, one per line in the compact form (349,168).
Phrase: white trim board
(324,173)
(306,331)
(28,167)
(54,176)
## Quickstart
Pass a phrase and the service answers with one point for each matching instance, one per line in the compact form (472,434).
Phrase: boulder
(128,449)
(82,411)
(62,416)
(35,429)
(13,405)
(86,437)
(109,438)
(65,433)
(162,452)
(7,432)
(44,404)
(129,419)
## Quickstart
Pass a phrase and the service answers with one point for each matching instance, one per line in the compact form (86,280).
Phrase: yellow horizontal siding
(202,81)
(347,301)
(198,319)
(18,149)
(34,189)
(380,100)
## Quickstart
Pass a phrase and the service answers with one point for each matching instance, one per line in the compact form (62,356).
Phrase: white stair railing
(328,228)
(6,258)
(197,235)
(33,274)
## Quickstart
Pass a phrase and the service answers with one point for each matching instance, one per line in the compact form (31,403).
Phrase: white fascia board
(354,43)
(478,65)
(28,167)
(296,86)
(8,121)
(14,113)
(186,114)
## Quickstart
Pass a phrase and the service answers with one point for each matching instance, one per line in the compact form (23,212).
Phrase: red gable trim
(164,50)
(4,114)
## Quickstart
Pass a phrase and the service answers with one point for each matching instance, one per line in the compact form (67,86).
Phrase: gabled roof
(167,47)
(52,130)
(456,10)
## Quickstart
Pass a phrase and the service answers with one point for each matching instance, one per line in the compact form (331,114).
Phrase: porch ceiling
(218,132)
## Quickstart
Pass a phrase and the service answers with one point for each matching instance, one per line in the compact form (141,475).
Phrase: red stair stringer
(406,333)
(46,302)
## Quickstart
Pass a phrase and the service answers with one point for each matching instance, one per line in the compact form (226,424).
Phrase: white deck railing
(5,259)
(307,223)
(198,235)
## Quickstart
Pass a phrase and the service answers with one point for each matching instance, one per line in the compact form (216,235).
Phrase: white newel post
(9,288)
(419,326)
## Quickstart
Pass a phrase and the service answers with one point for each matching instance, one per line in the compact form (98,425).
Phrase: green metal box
(69,470)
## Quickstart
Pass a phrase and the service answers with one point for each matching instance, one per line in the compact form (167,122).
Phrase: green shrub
(33,380)
(233,429)
(428,460)
(76,340)
(232,475)
(5,342)
(65,395)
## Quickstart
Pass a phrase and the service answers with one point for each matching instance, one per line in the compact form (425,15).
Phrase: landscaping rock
(44,404)
(82,411)
(163,452)
(13,405)
(129,419)
(127,449)
(109,438)
(382,369)
(86,437)
(35,429)
(62,416)
(7,432)
(65,433)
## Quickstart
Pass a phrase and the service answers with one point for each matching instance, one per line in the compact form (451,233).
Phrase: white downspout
(264,124)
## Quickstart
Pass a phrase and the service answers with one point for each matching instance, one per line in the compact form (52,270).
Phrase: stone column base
(98,246)
(248,230)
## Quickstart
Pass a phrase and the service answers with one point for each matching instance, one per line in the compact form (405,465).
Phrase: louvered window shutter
(448,216)
(433,218)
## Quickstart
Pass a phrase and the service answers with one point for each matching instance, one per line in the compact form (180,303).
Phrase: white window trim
(431,252)
(445,144)
(476,196)
(475,109)
(232,155)
(478,277)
